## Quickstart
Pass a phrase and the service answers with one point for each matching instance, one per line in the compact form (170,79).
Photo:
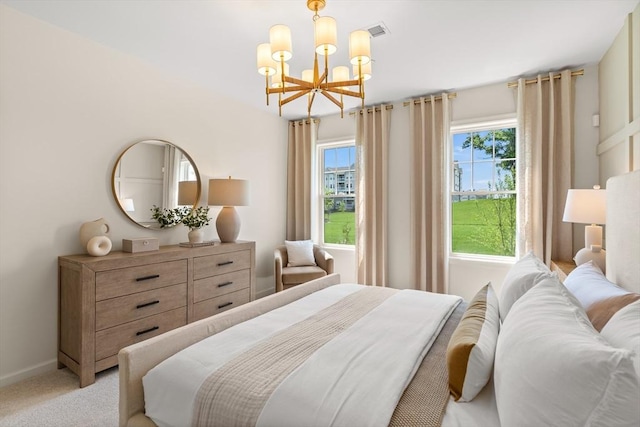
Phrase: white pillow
(300,253)
(588,284)
(623,331)
(521,277)
(552,368)
(472,346)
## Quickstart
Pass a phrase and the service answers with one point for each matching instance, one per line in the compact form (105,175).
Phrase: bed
(333,355)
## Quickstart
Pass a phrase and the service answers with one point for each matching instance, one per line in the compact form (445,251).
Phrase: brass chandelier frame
(320,84)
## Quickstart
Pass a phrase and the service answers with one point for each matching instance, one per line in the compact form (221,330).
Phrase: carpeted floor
(54,399)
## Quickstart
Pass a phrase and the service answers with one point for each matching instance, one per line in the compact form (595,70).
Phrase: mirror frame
(113,180)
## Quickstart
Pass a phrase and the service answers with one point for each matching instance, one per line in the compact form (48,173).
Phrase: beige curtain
(302,137)
(545,127)
(372,142)
(430,122)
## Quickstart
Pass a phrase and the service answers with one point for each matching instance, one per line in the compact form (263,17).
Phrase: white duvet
(378,356)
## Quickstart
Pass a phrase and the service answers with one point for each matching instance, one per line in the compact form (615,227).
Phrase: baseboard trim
(23,374)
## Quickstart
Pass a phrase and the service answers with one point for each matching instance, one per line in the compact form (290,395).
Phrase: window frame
(318,206)
(479,125)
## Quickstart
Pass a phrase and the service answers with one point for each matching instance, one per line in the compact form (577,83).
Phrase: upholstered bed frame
(623,268)
(136,360)
(622,231)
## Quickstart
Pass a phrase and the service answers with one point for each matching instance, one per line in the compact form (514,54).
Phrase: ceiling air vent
(378,30)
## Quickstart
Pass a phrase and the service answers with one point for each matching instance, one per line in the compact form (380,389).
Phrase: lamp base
(228,224)
(596,254)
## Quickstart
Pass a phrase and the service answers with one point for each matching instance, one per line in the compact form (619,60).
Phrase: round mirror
(154,173)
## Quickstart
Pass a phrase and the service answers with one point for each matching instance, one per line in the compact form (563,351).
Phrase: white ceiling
(431,46)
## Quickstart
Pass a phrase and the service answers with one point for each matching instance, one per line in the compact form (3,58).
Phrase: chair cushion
(297,275)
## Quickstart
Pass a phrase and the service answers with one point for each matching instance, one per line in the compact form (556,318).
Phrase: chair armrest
(280,257)
(323,258)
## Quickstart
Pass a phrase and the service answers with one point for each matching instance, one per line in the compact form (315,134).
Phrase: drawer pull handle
(221,285)
(147,304)
(220,264)
(227,304)
(153,276)
(147,330)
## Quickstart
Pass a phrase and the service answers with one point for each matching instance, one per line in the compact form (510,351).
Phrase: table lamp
(228,193)
(588,207)
(187,193)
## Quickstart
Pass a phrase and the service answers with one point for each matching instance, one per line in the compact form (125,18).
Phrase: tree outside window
(483,192)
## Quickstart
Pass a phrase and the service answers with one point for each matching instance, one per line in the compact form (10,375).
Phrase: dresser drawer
(219,304)
(221,284)
(110,341)
(130,280)
(219,264)
(115,311)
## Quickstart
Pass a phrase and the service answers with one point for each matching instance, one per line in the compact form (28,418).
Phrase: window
(338,181)
(483,189)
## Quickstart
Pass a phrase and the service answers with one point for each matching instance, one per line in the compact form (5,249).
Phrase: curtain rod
(301,122)
(451,95)
(370,110)
(547,78)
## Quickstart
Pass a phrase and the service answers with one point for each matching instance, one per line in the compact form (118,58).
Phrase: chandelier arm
(332,99)
(266,82)
(343,84)
(301,83)
(310,103)
(294,96)
(322,78)
(344,92)
(290,89)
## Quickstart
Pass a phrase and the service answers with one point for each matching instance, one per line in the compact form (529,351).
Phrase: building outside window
(338,178)
(483,189)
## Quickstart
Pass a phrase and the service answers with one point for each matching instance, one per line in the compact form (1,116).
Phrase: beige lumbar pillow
(472,346)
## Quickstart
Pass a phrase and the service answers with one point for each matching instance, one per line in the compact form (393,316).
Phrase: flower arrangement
(192,218)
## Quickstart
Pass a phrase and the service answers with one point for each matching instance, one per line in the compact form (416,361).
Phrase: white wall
(466,275)
(68,107)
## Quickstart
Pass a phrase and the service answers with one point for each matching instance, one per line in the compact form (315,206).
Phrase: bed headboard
(623,230)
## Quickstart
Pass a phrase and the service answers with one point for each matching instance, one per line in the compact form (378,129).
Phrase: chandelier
(273,57)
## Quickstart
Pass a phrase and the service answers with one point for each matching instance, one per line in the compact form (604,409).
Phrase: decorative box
(140,244)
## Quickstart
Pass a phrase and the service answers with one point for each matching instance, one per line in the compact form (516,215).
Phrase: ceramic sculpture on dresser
(94,237)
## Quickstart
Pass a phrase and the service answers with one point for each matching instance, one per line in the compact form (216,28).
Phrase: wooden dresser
(107,303)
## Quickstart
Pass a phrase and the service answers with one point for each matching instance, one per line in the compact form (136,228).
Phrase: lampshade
(585,206)
(359,47)
(228,192)
(340,73)
(307,75)
(127,205)
(365,69)
(280,40)
(266,64)
(276,80)
(187,193)
(326,35)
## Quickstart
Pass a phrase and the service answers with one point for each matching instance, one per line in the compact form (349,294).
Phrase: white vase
(196,235)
